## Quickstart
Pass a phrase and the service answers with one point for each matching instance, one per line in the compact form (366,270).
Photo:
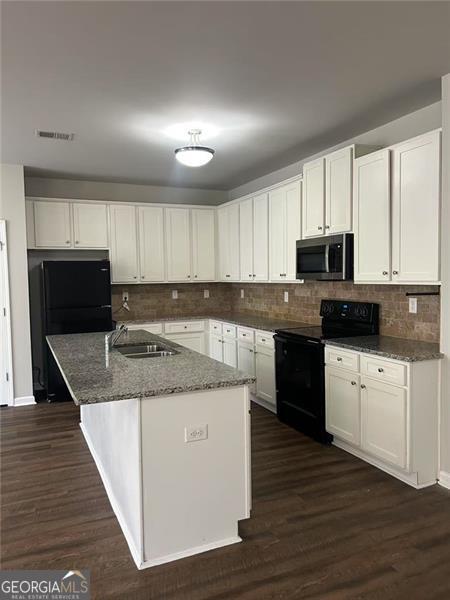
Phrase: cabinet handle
(339,359)
(185,326)
(227,276)
(195,276)
(188,276)
(380,370)
(353,382)
(263,339)
(251,351)
(319,227)
(250,275)
(385,272)
(363,387)
(394,272)
(244,335)
(327,227)
(67,241)
(254,274)
(77,242)
(134,276)
(142,276)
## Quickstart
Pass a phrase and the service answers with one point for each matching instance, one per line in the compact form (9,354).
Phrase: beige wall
(445,276)
(12,209)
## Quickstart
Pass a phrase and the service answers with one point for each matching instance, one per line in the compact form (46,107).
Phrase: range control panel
(349,310)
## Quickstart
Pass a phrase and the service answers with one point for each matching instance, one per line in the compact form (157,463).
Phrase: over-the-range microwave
(327,258)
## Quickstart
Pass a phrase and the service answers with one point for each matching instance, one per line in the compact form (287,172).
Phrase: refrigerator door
(78,320)
(76,284)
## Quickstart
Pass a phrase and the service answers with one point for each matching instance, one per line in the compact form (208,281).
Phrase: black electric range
(300,362)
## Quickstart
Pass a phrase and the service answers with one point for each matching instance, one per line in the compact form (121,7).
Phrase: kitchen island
(170,436)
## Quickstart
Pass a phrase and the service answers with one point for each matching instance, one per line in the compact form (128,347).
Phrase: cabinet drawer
(215,327)
(341,358)
(155,328)
(246,335)
(184,326)
(265,338)
(383,370)
(229,331)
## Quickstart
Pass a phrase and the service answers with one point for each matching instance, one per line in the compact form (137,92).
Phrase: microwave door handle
(327,258)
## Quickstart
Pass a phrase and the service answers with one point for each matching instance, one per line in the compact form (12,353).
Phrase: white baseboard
(263,403)
(444,479)
(135,552)
(24,401)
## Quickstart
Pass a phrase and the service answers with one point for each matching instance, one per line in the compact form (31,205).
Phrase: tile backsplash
(155,301)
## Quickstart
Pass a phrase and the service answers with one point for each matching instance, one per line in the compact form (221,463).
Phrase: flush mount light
(194,155)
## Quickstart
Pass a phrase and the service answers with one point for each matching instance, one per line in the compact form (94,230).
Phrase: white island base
(174,498)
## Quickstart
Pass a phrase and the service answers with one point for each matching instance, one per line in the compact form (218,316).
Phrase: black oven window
(311,260)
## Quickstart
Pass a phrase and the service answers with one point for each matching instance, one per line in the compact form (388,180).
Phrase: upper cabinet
(151,244)
(254,238)
(52,227)
(178,244)
(285,230)
(123,238)
(228,228)
(90,227)
(314,198)
(203,244)
(397,205)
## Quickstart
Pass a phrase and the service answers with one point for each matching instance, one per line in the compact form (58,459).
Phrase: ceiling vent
(55,135)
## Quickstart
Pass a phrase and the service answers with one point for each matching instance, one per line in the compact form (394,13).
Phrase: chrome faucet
(112,338)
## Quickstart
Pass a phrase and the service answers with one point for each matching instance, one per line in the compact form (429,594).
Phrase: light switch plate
(242,293)
(205,293)
(174,294)
(286,296)
(413,305)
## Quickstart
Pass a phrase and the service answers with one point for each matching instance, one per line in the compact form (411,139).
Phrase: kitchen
(304,306)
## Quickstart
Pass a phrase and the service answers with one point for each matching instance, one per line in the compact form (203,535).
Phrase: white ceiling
(277,81)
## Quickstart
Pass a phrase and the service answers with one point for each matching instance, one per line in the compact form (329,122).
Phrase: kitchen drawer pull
(227,275)
(353,382)
(319,227)
(327,227)
(244,335)
(250,275)
(380,370)
(263,339)
(394,272)
(339,359)
(363,387)
(385,272)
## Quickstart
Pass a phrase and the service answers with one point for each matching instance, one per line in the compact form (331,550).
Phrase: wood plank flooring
(324,524)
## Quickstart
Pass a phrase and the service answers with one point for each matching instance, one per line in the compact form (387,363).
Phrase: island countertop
(389,347)
(83,362)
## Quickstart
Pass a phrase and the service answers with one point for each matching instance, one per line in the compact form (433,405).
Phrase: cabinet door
(216,347)
(203,244)
(233,248)
(151,243)
(342,405)
(193,341)
(90,225)
(224,242)
(261,237)
(372,217)
(314,198)
(246,239)
(265,375)
(293,228)
(246,359)
(384,421)
(52,224)
(416,209)
(178,244)
(229,352)
(338,191)
(123,242)
(277,238)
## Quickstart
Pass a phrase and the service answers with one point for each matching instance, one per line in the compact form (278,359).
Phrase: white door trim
(5,313)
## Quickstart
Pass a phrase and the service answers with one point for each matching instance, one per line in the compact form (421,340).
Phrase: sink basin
(145,350)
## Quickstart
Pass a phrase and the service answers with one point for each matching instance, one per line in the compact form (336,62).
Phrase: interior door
(151,243)
(178,244)
(203,244)
(90,227)
(372,218)
(314,198)
(342,402)
(246,239)
(52,225)
(338,191)
(416,209)
(261,237)
(277,237)
(123,240)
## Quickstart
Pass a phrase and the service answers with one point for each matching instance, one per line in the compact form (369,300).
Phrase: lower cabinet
(194,341)
(342,404)
(246,358)
(229,352)
(216,347)
(265,375)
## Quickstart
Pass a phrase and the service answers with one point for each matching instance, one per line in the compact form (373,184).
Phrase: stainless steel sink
(145,350)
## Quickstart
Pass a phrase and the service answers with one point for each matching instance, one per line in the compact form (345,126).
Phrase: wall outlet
(174,294)
(413,305)
(242,294)
(125,296)
(205,293)
(196,434)
(286,296)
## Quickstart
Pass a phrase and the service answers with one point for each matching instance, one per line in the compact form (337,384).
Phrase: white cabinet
(228,229)
(343,404)
(254,238)
(265,374)
(216,347)
(229,352)
(314,198)
(151,244)
(285,230)
(383,421)
(416,209)
(123,236)
(372,217)
(203,245)
(338,191)
(246,358)
(52,228)
(155,328)
(193,341)
(90,225)
(178,244)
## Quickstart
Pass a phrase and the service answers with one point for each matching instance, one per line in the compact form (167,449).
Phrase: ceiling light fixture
(194,155)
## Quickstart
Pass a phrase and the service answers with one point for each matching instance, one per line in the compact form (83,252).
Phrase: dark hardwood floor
(324,524)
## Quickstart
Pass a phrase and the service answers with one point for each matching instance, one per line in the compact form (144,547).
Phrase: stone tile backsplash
(155,301)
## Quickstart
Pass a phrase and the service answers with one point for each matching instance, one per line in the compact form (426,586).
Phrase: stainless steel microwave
(327,258)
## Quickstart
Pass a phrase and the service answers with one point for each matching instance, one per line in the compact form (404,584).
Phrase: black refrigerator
(76,299)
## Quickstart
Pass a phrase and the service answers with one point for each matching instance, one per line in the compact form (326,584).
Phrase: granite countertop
(390,347)
(82,359)
(242,319)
